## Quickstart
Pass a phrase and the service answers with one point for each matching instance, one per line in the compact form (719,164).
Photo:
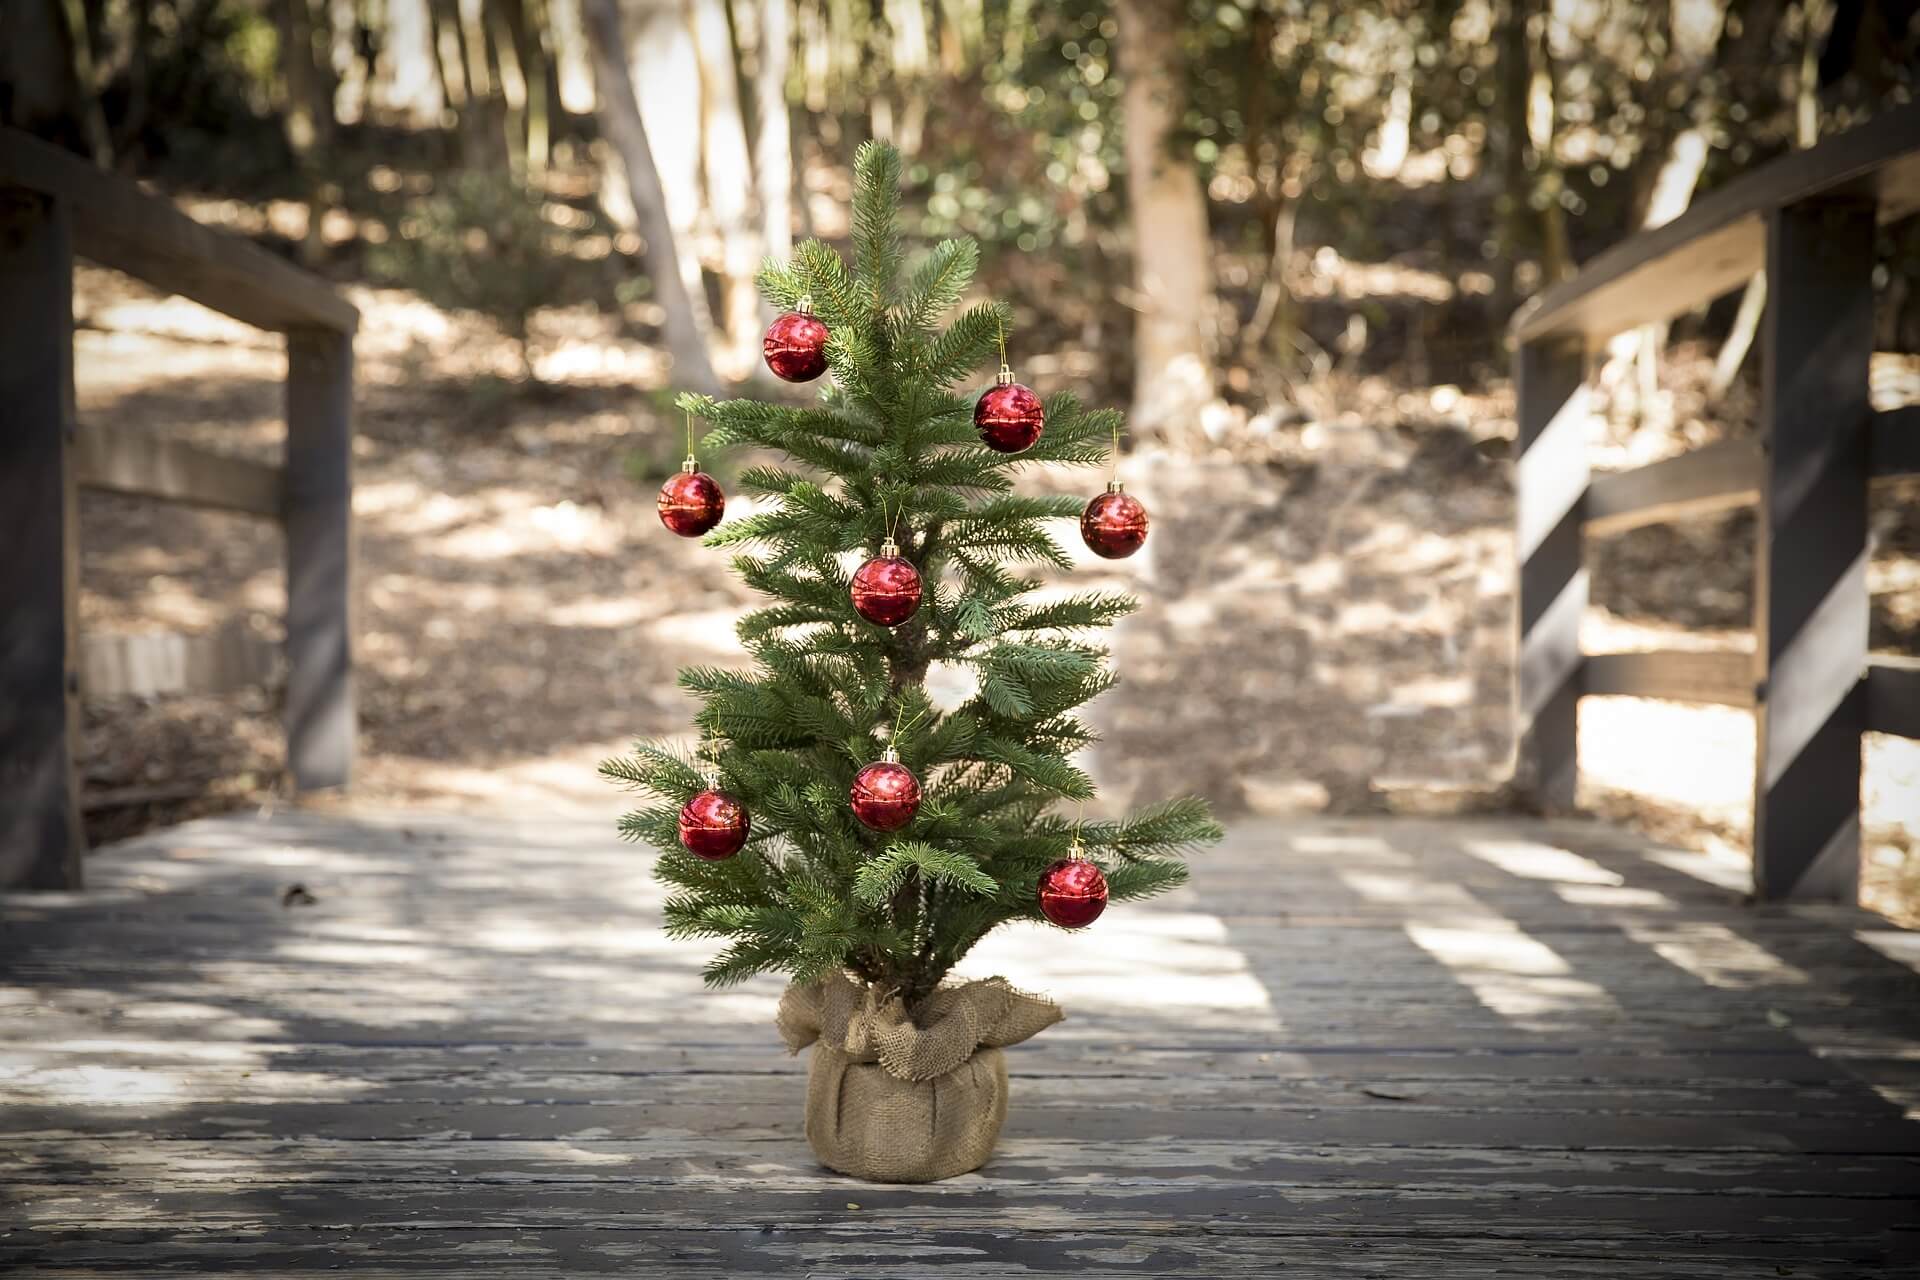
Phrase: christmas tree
(799,830)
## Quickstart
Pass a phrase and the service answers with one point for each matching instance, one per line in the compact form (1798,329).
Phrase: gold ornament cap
(890,756)
(1005,377)
(691,466)
(889,549)
(804,306)
(1114,486)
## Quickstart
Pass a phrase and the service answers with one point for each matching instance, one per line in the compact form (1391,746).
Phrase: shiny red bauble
(1114,524)
(713,825)
(886,589)
(885,795)
(1009,417)
(796,346)
(691,503)
(1073,893)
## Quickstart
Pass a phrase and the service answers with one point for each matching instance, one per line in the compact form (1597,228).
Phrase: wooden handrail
(1723,676)
(1719,243)
(119,459)
(1719,477)
(117,225)
(1809,221)
(54,207)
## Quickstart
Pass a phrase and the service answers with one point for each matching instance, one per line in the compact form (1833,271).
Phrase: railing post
(1550,497)
(41,839)
(321,719)
(1810,596)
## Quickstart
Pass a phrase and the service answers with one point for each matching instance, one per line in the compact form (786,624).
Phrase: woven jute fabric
(892,1099)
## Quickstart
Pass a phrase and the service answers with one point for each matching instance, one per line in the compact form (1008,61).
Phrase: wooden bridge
(408,1044)
(1366,1048)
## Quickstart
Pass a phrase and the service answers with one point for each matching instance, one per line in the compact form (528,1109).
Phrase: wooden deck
(1350,1048)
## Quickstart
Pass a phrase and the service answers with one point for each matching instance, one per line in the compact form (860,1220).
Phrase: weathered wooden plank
(157,663)
(124,459)
(1550,495)
(685,1157)
(322,723)
(724,1101)
(1715,478)
(41,839)
(1680,675)
(448,1065)
(1895,442)
(1893,696)
(1721,241)
(117,225)
(1253,1210)
(1384,1126)
(1811,603)
(559,1253)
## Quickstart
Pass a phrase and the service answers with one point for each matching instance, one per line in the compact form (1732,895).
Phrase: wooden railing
(52,208)
(1809,220)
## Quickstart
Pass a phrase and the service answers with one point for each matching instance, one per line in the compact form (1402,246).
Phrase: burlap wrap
(890,1100)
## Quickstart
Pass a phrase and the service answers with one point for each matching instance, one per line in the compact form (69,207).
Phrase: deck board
(1348,1048)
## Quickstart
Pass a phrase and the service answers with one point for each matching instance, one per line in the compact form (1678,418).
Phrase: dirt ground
(1326,597)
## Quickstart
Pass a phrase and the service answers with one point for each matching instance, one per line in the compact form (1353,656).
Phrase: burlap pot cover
(892,1101)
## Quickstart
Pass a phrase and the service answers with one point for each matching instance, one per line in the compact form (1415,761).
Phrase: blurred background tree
(1286,234)
(1167,169)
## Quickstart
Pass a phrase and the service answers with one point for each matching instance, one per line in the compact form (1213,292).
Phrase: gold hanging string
(689,433)
(707,753)
(901,727)
(1113,458)
(1000,335)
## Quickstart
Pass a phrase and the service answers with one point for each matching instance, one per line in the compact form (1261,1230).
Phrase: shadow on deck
(1367,1047)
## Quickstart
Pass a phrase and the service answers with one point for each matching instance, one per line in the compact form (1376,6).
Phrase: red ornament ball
(885,795)
(886,589)
(1073,893)
(1114,523)
(796,346)
(1009,417)
(713,825)
(691,503)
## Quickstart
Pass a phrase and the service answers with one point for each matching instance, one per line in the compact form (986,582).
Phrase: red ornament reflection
(714,825)
(691,503)
(885,795)
(1114,524)
(886,589)
(1073,893)
(1009,416)
(796,347)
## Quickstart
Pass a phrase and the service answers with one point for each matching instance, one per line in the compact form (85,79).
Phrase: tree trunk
(36,64)
(620,122)
(773,127)
(410,79)
(1174,324)
(729,180)
(308,116)
(1511,131)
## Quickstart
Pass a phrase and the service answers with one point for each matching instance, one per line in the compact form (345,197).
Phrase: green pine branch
(888,446)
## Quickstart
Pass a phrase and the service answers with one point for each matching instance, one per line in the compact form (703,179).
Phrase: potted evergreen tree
(836,825)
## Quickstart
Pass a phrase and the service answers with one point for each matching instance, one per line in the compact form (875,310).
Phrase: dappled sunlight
(1137,958)
(1608,897)
(1511,973)
(1716,955)
(1542,862)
